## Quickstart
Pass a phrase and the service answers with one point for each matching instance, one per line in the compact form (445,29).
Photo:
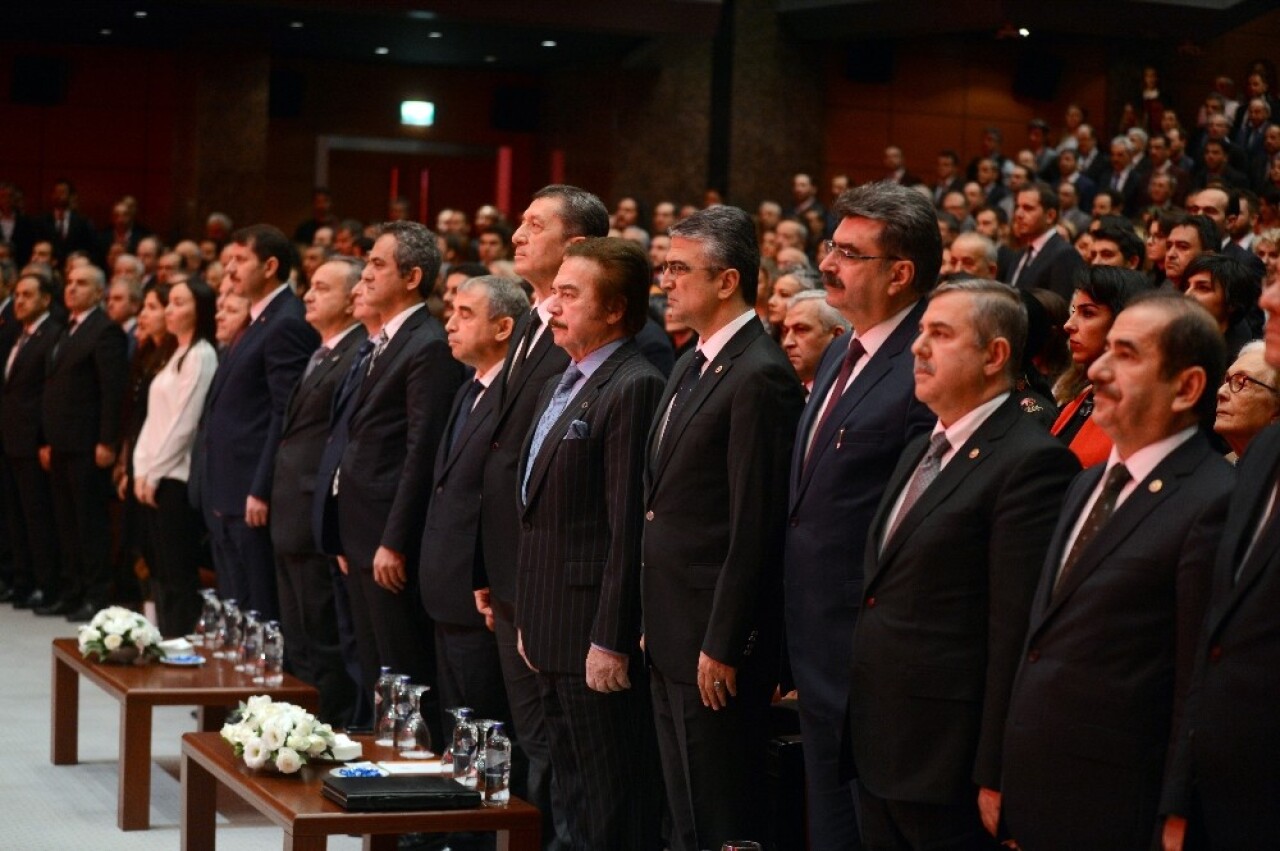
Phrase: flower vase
(126,655)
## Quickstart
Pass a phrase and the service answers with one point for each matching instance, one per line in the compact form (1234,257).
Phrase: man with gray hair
(485,312)
(809,326)
(305,576)
(927,706)
(975,256)
(883,258)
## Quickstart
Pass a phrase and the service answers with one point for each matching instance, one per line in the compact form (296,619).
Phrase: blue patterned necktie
(559,401)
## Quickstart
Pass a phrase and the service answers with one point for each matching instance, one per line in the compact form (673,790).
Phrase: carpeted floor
(44,807)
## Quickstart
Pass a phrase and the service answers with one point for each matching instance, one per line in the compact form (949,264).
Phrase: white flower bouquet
(277,734)
(121,635)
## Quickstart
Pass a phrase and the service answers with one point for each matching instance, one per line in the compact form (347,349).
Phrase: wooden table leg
(524,838)
(65,742)
(211,718)
(380,841)
(134,810)
(199,806)
(305,843)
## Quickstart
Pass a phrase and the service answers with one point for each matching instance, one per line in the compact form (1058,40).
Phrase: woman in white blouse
(162,456)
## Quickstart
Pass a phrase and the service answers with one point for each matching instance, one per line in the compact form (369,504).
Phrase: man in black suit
(65,227)
(20,231)
(1222,783)
(28,502)
(304,575)
(244,416)
(1047,261)
(557,217)
(485,311)
(578,574)
(861,414)
(952,559)
(948,178)
(81,417)
(715,511)
(1116,616)
(380,487)
(1124,177)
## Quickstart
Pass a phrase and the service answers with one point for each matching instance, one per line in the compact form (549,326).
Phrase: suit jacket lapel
(484,409)
(308,384)
(395,346)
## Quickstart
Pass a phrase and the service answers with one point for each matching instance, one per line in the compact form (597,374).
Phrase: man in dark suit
(578,574)
(380,487)
(1222,783)
(485,311)
(1047,261)
(865,403)
(952,560)
(1124,178)
(1122,594)
(65,227)
(948,178)
(557,217)
(81,417)
(715,511)
(20,231)
(28,502)
(304,575)
(244,415)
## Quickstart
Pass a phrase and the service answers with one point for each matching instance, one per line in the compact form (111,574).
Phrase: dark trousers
(831,803)
(470,673)
(29,512)
(309,620)
(174,533)
(531,772)
(908,825)
(80,492)
(362,711)
(602,753)
(713,762)
(246,565)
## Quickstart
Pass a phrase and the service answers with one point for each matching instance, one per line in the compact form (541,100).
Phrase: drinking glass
(228,631)
(414,738)
(250,650)
(396,711)
(740,845)
(207,625)
(271,670)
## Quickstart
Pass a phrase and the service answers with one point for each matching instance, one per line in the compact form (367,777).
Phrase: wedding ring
(717,684)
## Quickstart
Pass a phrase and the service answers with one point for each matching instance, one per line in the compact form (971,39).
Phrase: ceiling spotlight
(297,25)
(382,51)
(104,32)
(141,13)
(435,34)
(491,59)
(1024,32)
(548,43)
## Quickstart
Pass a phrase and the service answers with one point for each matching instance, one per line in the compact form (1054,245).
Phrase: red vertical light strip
(557,165)
(502,183)
(395,184)
(424,181)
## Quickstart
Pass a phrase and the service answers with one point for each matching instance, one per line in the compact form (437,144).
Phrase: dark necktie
(559,401)
(926,471)
(17,349)
(1101,512)
(526,342)
(685,390)
(464,412)
(316,359)
(351,381)
(1022,267)
(851,357)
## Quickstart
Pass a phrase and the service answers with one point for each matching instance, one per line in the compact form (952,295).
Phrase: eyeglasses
(829,245)
(676,269)
(1236,381)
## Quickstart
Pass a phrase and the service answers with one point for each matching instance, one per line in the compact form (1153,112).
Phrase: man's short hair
(416,248)
(627,276)
(1236,195)
(132,287)
(1048,198)
(267,242)
(506,297)
(1111,286)
(1130,245)
(1206,230)
(1191,338)
(828,316)
(950,154)
(1001,216)
(581,212)
(1240,286)
(728,239)
(910,226)
(352,269)
(990,252)
(998,311)
(43,280)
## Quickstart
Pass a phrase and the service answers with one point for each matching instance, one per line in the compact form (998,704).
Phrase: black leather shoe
(8,595)
(83,613)
(57,607)
(31,601)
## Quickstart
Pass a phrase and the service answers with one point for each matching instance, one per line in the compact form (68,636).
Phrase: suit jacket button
(794,522)
(494,446)
(871,602)
(648,515)
(1215,652)
(1033,656)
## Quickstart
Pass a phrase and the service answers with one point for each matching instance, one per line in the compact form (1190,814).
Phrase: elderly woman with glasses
(1248,400)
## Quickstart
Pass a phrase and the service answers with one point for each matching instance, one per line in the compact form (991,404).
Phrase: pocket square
(578,430)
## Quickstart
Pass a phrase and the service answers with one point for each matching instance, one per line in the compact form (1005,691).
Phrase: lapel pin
(719,369)
(584,406)
(1155,486)
(974,453)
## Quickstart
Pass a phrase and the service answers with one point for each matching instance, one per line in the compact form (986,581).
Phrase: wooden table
(212,687)
(295,803)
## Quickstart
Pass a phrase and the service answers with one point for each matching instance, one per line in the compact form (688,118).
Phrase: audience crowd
(976,471)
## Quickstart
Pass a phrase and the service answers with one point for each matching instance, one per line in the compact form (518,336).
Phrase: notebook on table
(405,792)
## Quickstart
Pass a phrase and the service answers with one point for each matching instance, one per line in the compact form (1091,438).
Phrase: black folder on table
(402,792)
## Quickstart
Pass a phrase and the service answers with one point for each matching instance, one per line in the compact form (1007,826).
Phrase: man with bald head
(974,255)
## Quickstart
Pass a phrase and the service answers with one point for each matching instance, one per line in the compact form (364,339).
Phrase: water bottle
(497,768)
(464,746)
(272,667)
(250,650)
(382,697)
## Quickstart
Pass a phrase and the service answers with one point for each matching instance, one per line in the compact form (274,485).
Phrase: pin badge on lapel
(974,453)
(1155,486)
(719,369)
